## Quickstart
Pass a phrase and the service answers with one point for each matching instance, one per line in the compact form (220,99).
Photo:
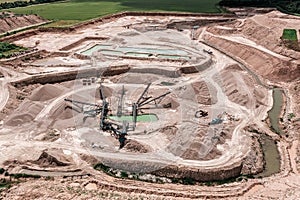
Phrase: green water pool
(142,55)
(152,51)
(108,49)
(91,50)
(140,118)
(173,57)
(111,52)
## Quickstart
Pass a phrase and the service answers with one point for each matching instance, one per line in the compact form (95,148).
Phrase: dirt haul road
(4,89)
(235,150)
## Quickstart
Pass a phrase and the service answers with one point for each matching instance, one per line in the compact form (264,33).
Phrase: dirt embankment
(268,66)
(200,175)
(10,21)
(256,42)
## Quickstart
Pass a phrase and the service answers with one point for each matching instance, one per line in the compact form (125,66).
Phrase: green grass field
(290,34)
(80,10)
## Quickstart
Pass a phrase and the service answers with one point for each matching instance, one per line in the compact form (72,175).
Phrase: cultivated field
(87,9)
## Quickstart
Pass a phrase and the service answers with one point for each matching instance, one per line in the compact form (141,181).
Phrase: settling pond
(110,50)
(140,118)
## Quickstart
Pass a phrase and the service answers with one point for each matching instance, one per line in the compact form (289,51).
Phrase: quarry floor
(34,119)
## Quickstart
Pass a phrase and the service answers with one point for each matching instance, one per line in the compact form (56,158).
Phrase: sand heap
(46,92)
(204,94)
(25,113)
(34,104)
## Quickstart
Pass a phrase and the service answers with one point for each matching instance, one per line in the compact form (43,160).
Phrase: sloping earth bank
(9,21)
(255,41)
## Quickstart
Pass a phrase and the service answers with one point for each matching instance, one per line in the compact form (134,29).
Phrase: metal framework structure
(118,130)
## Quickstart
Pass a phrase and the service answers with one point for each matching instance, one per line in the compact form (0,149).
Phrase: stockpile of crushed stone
(46,92)
(25,113)
(31,107)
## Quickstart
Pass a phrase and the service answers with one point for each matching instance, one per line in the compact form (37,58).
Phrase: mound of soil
(203,93)
(192,153)
(25,113)
(10,21)
(136,79)
(234,67)
(47,160)
(89,159)
(106,90)
(46,92)
(235,89)
(170,100)
(63,111)
(134,146)
(169,131)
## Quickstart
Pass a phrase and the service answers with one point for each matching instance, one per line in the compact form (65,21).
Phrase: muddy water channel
(271,156)
(274,113)
(269,147)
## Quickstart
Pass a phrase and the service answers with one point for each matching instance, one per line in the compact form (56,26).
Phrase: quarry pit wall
(203,175)
(70,75)
(45,78)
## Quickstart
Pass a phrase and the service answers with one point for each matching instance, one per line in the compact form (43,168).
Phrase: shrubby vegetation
(7,5)
(290,6)
(7,49)
(4,47)
(11,179)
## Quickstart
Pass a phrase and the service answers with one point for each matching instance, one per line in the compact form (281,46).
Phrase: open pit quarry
(223,129)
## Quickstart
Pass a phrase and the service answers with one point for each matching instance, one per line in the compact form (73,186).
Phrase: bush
(5,46)
(124,174)
(21,175)
(291,7)
(188,181)
(7,49)
(290,116)
(101,167)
